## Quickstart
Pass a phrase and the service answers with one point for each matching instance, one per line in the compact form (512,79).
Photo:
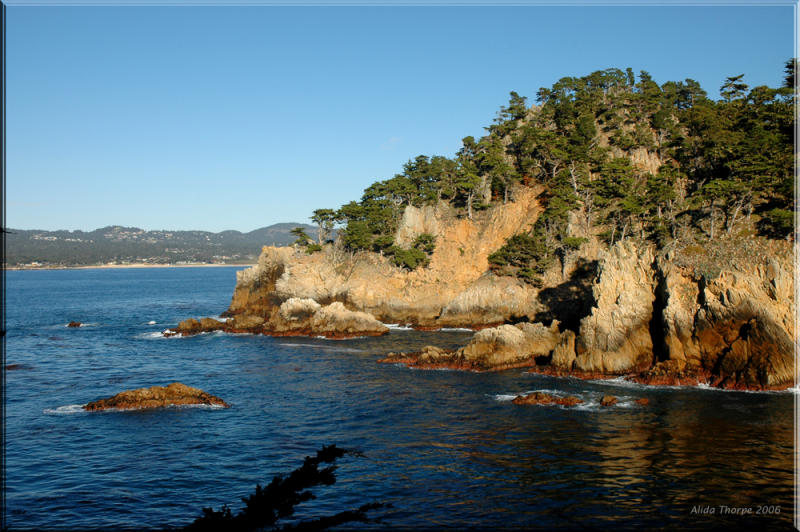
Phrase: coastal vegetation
(616,156)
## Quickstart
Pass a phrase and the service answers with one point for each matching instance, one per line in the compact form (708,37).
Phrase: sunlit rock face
(625,310)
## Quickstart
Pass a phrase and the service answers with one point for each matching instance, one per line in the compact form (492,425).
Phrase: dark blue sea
(446,449)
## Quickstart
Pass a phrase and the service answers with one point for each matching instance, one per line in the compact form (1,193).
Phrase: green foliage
(523,255)
(266,507)
(302,238)
(778,223)
(416,256)
(573,243)
(325,219)
(425,242)
(382,243)
(313,248)
(357,235)
(409,258)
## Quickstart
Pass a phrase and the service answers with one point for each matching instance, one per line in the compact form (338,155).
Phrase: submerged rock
(156,397)
(12,367)
(541,398)
(608,400)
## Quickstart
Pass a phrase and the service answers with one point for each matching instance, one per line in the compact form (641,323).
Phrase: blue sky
(221,118)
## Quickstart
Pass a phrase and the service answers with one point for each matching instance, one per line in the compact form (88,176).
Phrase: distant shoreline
(121,266)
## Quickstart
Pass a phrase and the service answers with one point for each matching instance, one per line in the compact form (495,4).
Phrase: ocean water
(444,448)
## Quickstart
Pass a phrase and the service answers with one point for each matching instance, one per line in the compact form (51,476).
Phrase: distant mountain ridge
(132,245)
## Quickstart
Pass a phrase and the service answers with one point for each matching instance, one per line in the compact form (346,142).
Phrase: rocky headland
(156,397)
(627,310)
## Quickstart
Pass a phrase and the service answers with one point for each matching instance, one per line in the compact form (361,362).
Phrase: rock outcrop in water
(492,349)
(541,398)
(156,397)
(294,317)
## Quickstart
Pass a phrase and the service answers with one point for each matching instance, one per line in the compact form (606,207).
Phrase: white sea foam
(207,407)
(509,397)
(704,386)
(339,339)
(324,347)
(66,409)
(151,335)
(588,405)
(623,382)
(466,329)
(151,322)
(398,327)
(77,409)
(504,397)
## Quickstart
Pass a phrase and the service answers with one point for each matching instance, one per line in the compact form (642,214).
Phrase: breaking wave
(66,409)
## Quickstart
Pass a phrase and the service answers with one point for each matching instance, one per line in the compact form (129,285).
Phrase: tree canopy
(617,156)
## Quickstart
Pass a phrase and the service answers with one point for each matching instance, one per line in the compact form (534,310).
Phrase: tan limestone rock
(156,397)
(615,337)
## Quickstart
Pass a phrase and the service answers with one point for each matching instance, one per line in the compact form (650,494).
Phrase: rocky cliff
(658,323)
(453,290)
(628,310)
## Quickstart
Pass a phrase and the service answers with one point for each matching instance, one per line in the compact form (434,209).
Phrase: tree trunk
(732,220)
(469,205)
(711,235)
(573,178)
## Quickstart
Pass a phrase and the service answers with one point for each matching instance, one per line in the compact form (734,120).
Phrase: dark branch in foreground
(265,507)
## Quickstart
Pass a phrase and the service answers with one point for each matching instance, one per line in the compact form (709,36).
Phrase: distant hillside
(123,245)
